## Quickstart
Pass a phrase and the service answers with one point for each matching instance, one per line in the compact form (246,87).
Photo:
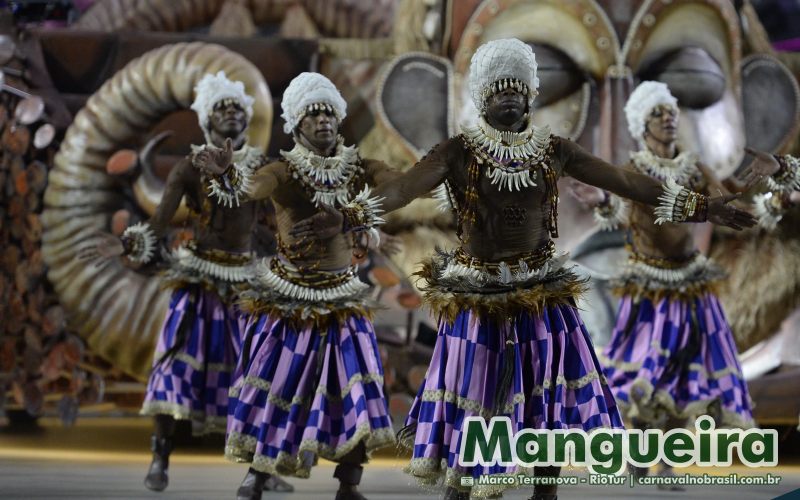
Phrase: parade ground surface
(107,458)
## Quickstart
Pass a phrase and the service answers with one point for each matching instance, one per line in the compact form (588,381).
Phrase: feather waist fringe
(649,278)
(225,273)
(447,294)
(306,297)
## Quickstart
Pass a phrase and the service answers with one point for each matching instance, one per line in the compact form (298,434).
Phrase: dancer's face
(228,119)
(662,124)
(506,107)
(320,129)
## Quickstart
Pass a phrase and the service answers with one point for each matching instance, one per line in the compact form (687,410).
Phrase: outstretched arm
(589,169)
(609,210)
(416,182)
(139,241)
(673,202)
(363,213)
(378,173)
(265,180)
(177,182)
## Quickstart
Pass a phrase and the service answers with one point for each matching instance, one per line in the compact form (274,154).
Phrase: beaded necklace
(510,174)
(682,169)
(328,180)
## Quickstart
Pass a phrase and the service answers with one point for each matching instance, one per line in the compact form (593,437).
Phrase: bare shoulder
(557,141)
(561,150)
(454,145)
(450,151)
(560,144)
(561,147)
(275,167)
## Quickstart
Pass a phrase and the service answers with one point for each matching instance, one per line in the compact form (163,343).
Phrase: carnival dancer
(783,195)
(511,342)
(199,342)
(672,356)
(310,382)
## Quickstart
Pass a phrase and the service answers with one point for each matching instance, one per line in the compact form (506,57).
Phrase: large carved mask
(591,55)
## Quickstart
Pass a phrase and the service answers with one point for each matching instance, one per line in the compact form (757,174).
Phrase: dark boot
(544,496)
(157,479)
(545,492)
(252,485)
(349,476)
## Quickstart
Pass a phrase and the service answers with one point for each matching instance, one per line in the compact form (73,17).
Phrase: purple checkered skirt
(676,359)
(556,383)
(194,359)
(300,394)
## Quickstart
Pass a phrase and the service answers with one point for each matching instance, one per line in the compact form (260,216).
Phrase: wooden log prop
(32,320)
(29,110)
(37,176)
(44,136)
(16,139)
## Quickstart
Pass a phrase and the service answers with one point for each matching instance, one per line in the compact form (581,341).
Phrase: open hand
(100,248)
(214,161)
(587,195)
(763,164)
(323,225)
(723,214)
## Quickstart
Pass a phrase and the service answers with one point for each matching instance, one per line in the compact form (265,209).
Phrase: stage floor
(383,480)
(107,458)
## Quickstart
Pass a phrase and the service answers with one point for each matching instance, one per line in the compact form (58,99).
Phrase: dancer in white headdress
(199,342)
(511,342)
(310,382)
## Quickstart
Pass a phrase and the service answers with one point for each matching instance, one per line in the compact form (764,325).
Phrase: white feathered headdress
(640,104)
(212,89)
(308,89)
(508,60)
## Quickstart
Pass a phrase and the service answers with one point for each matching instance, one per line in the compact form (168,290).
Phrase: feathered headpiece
(501,63)
(306,91)
(212,89)
(640,104)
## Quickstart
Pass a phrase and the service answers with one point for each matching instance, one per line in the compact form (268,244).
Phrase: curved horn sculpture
(169,15)
(117,310)
(334,18)
(148,188)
